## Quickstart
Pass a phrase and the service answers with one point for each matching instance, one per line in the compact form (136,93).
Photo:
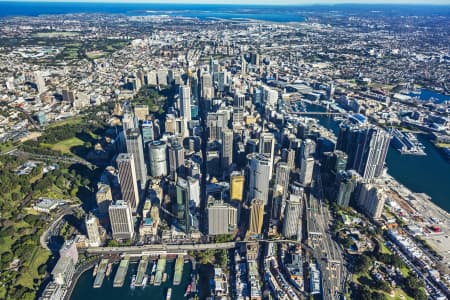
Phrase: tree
(362,264)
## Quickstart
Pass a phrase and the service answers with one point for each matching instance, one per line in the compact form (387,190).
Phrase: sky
(264,2)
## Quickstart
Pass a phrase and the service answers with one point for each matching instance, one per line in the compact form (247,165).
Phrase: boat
(108,269)
(133,282)
(164,278)
(152,279)
(144,281)
(169,294)
(188,290)
(154,268)
(94,273)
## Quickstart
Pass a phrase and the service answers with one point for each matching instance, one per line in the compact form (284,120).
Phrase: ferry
(188,290)
(144,281)
(152,279)
(169,294)
(164,278)
(94,273)
(108,269)
(133,282)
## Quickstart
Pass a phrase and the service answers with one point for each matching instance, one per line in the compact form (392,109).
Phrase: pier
(142,269)
(121,273)
(160,268)
(179,264)
(100,273)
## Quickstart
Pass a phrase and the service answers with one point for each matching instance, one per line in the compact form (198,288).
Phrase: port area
(122,270)
(142,269)
(425,220)
(160,268)
(100,276)
(407,143)
(179,264)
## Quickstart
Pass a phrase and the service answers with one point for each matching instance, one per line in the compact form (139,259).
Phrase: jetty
(142,269)
(119,279)
(100,276)
(160,268)
(179,264)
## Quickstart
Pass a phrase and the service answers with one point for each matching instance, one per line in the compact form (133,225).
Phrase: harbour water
(428,174)
(84,289)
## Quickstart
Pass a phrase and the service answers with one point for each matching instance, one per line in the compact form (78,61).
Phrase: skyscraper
(267,147)
(93,233)
(222,218)
(371,200)
(237,186)
(308,148)
(292,217)
(282,175)
(128,180)
(256,216)
(185,106)
(306,170)
(121,220)
(103,197)
(182,205)
(227,149)
(259,177)
(148,133)
(176,159)
(158,159)
(366,146)
(135,147)
(347,181)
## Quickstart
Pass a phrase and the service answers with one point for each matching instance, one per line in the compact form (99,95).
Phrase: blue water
(426,95)
(203,11)
(428,174)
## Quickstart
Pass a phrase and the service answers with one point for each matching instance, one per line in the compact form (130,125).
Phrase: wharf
(142,269)
(160,268)
(179,264)
(100,273)
(121,273)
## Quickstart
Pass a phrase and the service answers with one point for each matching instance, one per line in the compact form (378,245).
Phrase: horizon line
(252,3)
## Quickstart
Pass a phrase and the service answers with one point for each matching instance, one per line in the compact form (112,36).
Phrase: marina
(407,143)
(179,263)
(100,276)
(107,291)
(160,268)
(119,279)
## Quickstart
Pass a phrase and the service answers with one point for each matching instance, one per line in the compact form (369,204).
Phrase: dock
(179,264)
(160,268)
(121,273)
(142,269)
(100,273)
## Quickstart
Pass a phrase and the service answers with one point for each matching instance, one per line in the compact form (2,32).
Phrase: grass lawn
(69,121)
(6,244)
(39,256)
(64,146)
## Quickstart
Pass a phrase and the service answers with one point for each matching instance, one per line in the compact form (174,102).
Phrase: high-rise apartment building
(366,146)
